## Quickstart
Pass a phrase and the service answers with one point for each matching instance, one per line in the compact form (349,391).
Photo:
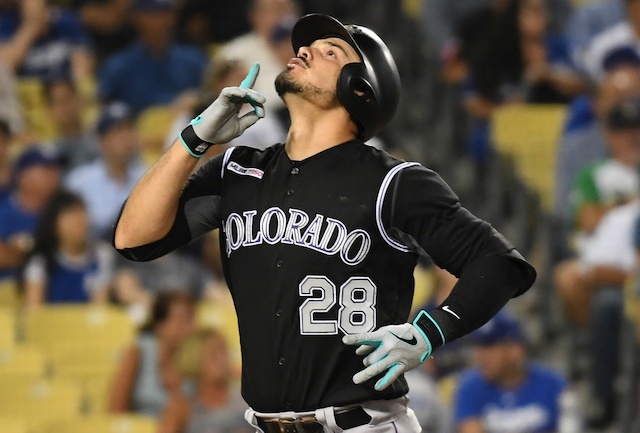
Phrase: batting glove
(393,348)
(219,122)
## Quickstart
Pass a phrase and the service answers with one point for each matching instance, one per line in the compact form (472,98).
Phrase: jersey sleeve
(424,212)
(198,212)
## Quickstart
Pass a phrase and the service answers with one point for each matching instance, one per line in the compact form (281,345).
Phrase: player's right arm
(150,210)
(155,220)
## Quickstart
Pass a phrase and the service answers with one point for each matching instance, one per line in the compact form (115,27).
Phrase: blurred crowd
(93,91)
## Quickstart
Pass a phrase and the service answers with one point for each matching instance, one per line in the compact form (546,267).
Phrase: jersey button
(281,361)
(279,263)
(295,170)
(278,312)
(290,192)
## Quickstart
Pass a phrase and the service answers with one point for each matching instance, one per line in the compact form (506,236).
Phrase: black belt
(345,419)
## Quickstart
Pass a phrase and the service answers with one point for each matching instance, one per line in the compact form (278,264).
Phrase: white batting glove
(393,348)
(219,122)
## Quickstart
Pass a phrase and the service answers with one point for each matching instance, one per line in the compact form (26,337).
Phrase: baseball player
(320,236)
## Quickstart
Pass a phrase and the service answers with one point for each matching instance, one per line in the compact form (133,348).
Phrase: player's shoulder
(380,158)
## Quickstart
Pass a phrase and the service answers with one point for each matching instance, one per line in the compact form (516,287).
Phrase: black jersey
(316,249)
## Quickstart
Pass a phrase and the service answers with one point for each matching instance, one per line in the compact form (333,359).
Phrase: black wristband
(194,144)
(430,328)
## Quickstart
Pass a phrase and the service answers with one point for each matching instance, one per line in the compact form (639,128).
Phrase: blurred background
(529,109)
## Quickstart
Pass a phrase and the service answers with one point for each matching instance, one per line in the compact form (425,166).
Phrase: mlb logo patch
(245,171)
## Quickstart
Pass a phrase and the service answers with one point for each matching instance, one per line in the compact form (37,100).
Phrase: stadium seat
(63,326)
(9,294)
(38,120)
(529,135)
(82,343)
(21,363)
(154,125)
(12,424)
(95,392)
(125,423)
(41,403)
(7,328)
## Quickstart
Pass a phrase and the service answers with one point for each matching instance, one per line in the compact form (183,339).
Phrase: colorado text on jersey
(323,234)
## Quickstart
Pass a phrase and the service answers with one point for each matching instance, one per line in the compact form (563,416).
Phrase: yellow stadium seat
(125,423)
(84,360)
(30,93)
(81,342)
(154,125)
(9,294)
(95,390)
(60,327)
(12,425)
(7,328)
(41,403)
(20,363)
(529,134)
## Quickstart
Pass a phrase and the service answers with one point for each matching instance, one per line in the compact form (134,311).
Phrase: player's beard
(286,83)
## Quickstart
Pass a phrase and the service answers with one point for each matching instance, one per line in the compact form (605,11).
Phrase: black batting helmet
(370,90)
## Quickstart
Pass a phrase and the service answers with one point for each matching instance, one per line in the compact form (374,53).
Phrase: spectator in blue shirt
(65,265)
(505,392)
(37,40)
(154,70)
(107,181)
(36,177)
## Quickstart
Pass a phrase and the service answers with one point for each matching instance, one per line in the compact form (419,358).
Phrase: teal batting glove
(393,349)
(220,122)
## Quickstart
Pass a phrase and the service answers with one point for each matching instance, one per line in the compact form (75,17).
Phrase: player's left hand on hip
(393,349)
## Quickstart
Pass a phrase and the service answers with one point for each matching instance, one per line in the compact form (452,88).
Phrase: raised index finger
(250,79)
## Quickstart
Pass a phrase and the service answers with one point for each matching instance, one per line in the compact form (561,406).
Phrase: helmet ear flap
(356,93)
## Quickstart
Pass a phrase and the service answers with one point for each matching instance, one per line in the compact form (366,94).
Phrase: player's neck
(313,131)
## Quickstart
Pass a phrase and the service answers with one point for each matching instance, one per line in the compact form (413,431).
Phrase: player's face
(313,74)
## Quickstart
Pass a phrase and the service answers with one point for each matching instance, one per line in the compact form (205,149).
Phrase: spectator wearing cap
(106,182)
(36,177)
(505,392)
(599,188)
(72,140)
(584,142)
(621,35)
(154,69)
(591,287)
(613,180)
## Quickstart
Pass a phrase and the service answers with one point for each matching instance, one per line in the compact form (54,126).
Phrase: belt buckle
(292,424)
